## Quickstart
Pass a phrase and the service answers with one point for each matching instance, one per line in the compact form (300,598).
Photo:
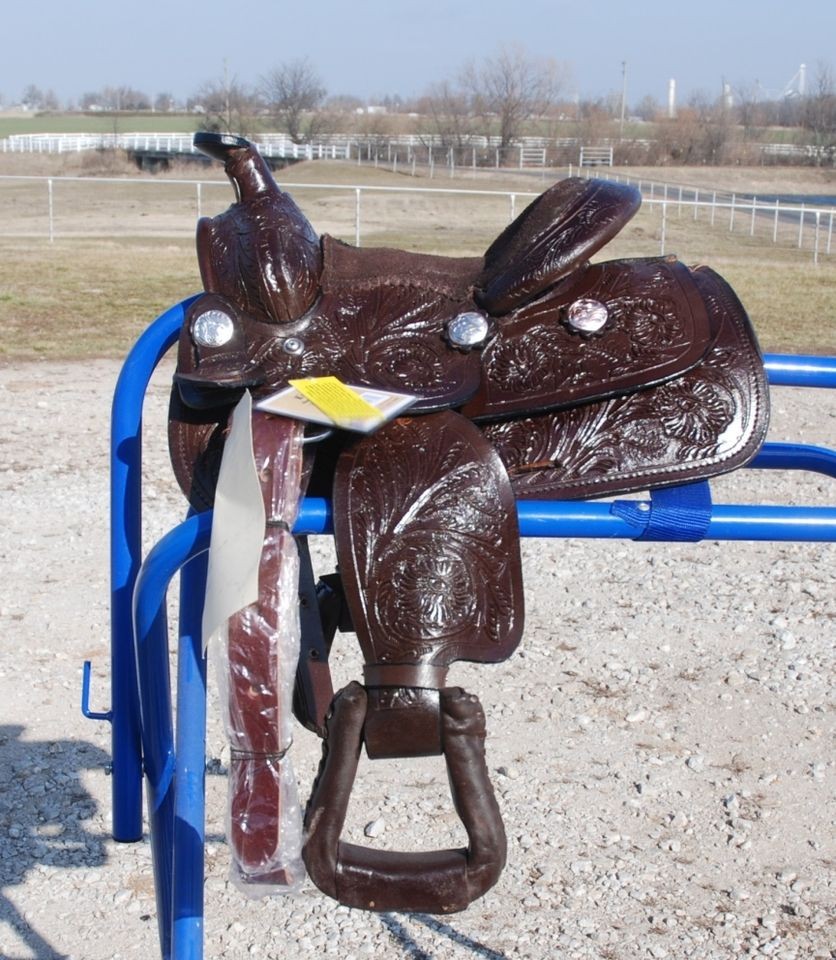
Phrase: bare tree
(227,106)
(293,94)
(164,102)
(818,114)
(750,109)
(124,98)
(701,133)
(32,98)
(514,88)
(648,108)
(449,114)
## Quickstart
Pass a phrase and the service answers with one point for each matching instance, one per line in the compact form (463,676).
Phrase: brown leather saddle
(539,375)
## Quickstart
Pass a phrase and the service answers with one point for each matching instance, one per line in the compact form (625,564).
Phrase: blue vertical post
(159,758)
(190,789)
(171,787)
(125,559)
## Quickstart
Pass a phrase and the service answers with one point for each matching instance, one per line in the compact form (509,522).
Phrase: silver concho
(294,346)
(587,316)
(467,330)
(213,328)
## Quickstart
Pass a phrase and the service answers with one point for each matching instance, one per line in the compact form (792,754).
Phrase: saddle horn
(262,253)
(243,164)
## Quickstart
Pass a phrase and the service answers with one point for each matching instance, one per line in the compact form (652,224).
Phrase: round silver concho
(587,316)
(213,328)
(467,330)
(294,346)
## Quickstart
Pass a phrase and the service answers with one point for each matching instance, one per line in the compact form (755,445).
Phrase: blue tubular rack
(143,729)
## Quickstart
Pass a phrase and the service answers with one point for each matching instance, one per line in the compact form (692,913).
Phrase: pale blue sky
(374,47)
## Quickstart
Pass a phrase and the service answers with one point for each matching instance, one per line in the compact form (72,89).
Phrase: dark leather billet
(318,619)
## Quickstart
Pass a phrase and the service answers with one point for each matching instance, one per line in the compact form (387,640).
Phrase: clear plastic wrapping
(255,662)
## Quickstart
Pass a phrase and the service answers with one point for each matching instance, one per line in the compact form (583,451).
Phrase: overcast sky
(375,47)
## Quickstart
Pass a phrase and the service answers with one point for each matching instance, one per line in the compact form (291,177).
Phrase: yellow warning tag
(340,402)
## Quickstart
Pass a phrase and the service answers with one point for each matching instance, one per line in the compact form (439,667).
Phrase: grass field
(11,125)
(124,252)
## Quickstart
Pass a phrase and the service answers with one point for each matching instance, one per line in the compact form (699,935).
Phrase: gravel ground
(661,744)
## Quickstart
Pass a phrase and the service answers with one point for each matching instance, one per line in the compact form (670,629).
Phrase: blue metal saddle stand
(143,725)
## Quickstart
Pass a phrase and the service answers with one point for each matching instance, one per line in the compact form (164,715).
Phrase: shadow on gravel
(411,948)
(44,814)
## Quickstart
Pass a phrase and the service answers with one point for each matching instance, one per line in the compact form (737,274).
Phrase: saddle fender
(428,548)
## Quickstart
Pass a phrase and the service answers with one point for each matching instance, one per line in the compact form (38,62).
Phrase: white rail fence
(814,224)
(410,149)
(168,144)
(407,150)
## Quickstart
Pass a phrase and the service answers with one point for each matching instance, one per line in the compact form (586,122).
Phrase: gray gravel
(661,744)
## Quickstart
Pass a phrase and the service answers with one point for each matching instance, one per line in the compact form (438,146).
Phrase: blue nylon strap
(678,514)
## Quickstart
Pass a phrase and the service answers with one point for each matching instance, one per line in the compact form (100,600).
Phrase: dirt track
(662,744)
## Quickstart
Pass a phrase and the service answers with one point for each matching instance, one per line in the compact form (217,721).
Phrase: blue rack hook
(85,697)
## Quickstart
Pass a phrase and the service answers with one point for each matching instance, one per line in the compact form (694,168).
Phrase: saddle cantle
(538,374)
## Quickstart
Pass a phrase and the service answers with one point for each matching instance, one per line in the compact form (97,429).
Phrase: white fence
(434,151)
(814,224)
(429,149)
(596,157)
(169,144)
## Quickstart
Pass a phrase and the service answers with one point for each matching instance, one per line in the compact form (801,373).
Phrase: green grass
(98,123)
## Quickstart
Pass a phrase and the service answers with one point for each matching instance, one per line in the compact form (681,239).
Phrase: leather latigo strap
(258,680)
(710,420)
(255,733)
(442,881)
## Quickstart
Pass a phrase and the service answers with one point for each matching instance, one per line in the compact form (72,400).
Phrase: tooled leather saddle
(539,375)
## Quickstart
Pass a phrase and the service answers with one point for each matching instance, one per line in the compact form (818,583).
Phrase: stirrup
(439,881)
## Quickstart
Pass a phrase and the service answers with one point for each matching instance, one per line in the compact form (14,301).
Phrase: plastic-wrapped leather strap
(441,881)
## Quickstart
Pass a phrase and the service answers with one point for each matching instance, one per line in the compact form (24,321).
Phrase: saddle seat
(302,306)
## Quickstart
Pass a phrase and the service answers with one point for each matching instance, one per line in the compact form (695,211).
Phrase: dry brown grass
(124,252)
(80,298)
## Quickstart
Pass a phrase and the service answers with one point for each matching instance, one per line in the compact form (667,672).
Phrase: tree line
(508,95)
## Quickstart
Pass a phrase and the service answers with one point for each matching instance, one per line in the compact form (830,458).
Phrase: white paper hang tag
(238,525)
(329,401)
